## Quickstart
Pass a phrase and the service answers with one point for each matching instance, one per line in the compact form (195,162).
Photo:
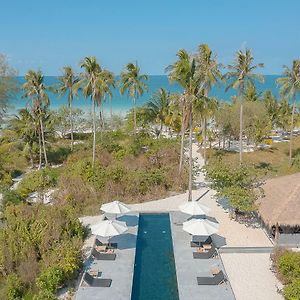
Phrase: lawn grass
(268,163)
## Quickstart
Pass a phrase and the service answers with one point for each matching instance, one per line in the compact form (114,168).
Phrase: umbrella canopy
(115,207)
(200,227)
(109,228)
(194,208)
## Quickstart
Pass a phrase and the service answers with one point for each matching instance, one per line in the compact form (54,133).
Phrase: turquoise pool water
(154,272)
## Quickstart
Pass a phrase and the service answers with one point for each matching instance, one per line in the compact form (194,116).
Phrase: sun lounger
(205,255)
(215,280)
(108,245)
(103,256)
(95,281)
(197,243)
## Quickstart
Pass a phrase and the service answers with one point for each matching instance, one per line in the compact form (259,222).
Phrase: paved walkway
(119,270)
(188,268)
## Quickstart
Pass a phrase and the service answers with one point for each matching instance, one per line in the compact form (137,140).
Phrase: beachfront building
(279,209)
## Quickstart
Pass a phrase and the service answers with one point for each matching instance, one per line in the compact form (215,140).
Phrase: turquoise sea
(122,103)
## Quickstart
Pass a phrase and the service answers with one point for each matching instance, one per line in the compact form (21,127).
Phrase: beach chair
(205,255)
(214,280)
(196,242)
(103,256)
(108,245)
(95,281)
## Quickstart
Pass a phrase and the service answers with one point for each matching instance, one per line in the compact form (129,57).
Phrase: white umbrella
(109,228)
(200,227)
(194,208)
(115,207)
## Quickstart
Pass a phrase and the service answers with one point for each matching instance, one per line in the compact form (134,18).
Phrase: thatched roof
(281,201)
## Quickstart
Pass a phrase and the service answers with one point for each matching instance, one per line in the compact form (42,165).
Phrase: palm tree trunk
(94,131)
(111,114)
(134,116)
(190,156)
(40,149)
(182,143)
(292,129)
(102,119)
(30,155)
(71,120)
(241,122)
(205,138)
(43,140)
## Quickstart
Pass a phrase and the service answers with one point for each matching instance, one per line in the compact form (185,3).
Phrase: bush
(289,265)
(45,295)
(292,291)
(14,287)
(234,183)
(10,197)
(38,180)
(50,279)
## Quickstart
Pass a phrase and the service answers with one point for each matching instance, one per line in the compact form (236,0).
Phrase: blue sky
(50,34)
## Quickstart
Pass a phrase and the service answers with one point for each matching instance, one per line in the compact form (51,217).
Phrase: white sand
(250,276)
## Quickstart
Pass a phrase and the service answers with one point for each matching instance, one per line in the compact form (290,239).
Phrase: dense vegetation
(287,267)
(39,250)
(102,159)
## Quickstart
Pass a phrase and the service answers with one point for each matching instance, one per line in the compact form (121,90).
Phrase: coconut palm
(289,86)
(69,83)
(35,89)
(134,83)
(238,75)
(96,85)
(26,127)
(205,108)
(272,107)
(183,71)
(159,106)
(92,70)
(208,69)
(104,81)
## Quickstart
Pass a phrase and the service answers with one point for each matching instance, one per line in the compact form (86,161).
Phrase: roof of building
(281,201)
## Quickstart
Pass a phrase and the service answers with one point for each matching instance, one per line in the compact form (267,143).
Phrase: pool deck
(119,270)
(188,268)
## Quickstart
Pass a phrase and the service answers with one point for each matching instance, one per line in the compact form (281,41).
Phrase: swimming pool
(154,271)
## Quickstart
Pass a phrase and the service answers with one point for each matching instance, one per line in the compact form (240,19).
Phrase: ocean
(122,103)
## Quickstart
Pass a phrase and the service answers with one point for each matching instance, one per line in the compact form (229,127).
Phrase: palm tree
(97,83)
(208,69)
(290,84)
(26,127)
(205,108)
(92,70)
(35,89)
(104,81)
(272,107)
(69,82)
(159,106)
(183,71)
(133,82)
(239,74)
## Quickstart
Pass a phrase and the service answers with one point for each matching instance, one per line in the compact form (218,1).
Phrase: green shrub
(120,154)
(38,180)
(289,265)
(10,197)
(14,287)
(292,291)
(50,279)
(45,295)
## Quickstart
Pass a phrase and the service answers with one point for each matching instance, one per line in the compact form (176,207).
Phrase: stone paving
(188,268)
(119,270)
